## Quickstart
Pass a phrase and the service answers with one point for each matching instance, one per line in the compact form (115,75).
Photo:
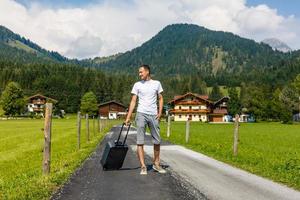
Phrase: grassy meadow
(270,150)
(21,146)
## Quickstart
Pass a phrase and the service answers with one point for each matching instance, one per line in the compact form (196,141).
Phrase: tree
(253,98)
(12,99)
(234,105)
(289,99)
(215,94)
(89,103)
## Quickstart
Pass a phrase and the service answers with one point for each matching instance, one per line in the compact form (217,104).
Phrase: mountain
(185,52)
(187,49)
(276,44)
(15,47)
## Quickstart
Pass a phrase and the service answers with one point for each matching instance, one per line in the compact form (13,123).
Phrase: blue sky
(284,7)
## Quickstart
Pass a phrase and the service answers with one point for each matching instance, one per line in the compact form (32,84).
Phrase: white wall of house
(204,118)
(112,115)
(203,107)
(195,117)
(187,107)
(31,106)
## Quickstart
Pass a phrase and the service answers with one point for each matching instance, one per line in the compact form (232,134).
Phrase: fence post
(94,129)
(98,124)
(187,131)
(168,128)
(47,137)
(101,124)
(236,135)
(78,129)
(87,127)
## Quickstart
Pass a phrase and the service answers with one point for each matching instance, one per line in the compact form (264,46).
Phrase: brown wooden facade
(112,110)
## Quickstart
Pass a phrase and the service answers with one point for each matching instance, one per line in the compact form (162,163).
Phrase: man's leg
(156,159)
(141,129)
(155,133)
(141,154)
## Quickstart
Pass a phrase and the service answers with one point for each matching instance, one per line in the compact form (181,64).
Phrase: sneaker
(143,171)
(159,169)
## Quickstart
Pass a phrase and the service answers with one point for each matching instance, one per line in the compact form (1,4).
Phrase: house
(197,107)
(245,118)
(219,110)
(112,110)
(36,103)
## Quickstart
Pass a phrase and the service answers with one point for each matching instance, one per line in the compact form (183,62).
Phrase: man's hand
(127,121)
(158,116)
(130,110)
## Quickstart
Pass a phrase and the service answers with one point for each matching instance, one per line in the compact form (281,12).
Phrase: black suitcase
(115,152)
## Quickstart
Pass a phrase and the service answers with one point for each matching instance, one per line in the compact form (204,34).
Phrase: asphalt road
(217,180)
(191,175)
(91,182)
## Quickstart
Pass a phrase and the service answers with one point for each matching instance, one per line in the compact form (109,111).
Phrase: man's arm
(160,105)
(131,108)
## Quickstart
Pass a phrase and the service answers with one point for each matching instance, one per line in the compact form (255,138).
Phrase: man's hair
(146,67)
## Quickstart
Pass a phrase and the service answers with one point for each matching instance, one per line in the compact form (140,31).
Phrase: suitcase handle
(117,143)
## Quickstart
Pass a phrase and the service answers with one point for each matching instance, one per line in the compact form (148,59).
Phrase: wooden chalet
(219,110)
(112,110)
(36,103)
(197,107)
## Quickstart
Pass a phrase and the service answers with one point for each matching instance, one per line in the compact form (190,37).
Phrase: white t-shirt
(147,92)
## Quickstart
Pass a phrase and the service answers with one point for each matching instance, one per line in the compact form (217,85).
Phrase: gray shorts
(142,120)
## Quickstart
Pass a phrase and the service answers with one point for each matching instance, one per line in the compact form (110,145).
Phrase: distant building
(296,117)
(36,103)
(112,110)
(219,110)
(196,107)
(245,118)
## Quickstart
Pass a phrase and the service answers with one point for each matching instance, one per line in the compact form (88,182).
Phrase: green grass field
(21,145)
(270,150)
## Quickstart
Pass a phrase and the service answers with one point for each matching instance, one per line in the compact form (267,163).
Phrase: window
(190,107)
(179,107)
(179,116)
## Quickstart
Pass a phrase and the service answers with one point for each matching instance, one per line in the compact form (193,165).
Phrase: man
(147,91)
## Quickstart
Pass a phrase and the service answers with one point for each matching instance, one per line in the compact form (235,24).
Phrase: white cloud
(114,26)
(85,46)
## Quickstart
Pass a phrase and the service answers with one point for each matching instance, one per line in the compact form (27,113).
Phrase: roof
(222,99)
(202,97)
(110,102)
(40,95)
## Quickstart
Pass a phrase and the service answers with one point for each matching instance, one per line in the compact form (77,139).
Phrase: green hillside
(35,52)
(215,56)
